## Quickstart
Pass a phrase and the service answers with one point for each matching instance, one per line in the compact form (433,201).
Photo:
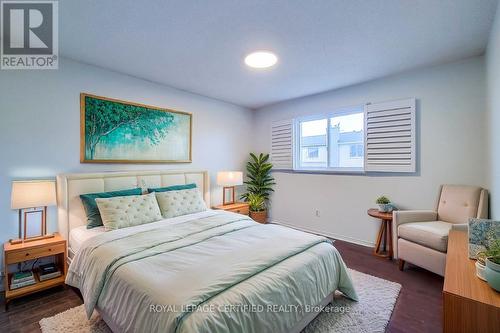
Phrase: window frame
(344,111)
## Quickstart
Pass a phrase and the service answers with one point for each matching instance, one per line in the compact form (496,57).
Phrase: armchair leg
(401,264)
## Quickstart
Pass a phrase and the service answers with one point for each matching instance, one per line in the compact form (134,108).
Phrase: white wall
(451,116)
(40,135)
(40,127)
(493,75)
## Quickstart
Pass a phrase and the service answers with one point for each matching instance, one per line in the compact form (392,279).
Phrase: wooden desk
(384,233)
(470,304)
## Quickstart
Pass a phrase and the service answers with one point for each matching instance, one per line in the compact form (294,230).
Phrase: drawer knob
(50,250)
(27,254)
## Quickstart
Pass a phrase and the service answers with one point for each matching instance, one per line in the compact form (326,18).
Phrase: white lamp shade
(35,193)
(229,178)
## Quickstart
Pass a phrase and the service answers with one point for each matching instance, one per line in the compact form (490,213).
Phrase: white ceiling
(199,45)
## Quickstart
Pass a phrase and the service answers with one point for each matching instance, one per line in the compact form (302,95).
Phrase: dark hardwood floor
(418,309)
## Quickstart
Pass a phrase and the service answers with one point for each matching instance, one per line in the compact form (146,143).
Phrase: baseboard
(326,234)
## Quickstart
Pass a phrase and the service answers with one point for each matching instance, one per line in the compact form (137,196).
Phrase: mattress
(79,235)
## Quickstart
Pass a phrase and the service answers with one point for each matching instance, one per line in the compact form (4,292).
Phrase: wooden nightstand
(17,253)
(238,207)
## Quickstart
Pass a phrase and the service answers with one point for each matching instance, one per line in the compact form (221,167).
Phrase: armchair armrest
(407,216)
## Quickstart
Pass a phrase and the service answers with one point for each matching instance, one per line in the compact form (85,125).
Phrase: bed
(211,271)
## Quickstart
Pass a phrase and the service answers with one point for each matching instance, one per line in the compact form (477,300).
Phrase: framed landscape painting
(114,131)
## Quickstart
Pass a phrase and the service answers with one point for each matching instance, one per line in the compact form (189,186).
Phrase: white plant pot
(492,274)
(385,208)
(480,268)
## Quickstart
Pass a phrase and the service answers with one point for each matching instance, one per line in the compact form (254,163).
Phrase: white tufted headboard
(71,213)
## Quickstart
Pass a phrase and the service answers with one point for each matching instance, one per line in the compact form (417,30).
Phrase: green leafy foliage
(256,202)
(383,200)
(493,252)
(104,117)
(259,177)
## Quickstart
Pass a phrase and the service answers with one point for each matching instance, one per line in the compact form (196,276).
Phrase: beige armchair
(421,236)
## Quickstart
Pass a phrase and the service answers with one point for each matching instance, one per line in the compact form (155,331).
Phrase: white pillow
(122,212)
(181,202)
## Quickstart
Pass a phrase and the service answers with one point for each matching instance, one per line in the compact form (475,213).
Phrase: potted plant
(384,204)
(492,270)
(259,183)
(481,266)
(257,205)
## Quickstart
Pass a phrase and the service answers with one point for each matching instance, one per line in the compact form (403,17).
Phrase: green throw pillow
(172,188)
(91,209)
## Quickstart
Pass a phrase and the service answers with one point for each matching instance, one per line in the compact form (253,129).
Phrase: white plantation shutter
(390,136)
(282,145)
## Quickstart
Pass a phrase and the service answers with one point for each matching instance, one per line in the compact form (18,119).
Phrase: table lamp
(32,197)
(229,179)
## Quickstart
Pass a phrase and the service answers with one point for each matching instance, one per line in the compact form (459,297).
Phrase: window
(356,151)
(313,148)
(312,152)
(376,137)
(331,142)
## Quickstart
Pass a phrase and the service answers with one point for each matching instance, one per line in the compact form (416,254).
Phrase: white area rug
(371,314)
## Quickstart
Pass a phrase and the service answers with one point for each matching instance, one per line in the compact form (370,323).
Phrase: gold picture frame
(92,104)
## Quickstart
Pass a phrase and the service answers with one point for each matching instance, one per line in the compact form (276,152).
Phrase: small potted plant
(257,205)
(384,204)
(492,270)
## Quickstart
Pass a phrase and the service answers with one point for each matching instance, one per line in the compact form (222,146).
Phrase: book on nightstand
(22,279)
(50,276)
(48,271)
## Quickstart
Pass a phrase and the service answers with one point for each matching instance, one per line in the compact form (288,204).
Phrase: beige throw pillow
(122,212)
(181,202)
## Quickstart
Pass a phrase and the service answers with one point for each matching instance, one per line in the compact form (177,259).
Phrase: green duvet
(207,272)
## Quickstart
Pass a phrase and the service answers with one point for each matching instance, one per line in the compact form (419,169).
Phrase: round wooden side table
(383,246)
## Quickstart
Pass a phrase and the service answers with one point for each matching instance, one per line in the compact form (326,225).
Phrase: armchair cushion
(458,203)
(432,234)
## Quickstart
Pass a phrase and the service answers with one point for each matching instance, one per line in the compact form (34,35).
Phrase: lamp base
(15,241)
(19,241)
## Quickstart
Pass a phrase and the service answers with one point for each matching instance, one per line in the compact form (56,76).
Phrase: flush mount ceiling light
(261,59)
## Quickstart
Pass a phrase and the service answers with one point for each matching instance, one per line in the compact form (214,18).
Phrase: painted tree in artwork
(102,118)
